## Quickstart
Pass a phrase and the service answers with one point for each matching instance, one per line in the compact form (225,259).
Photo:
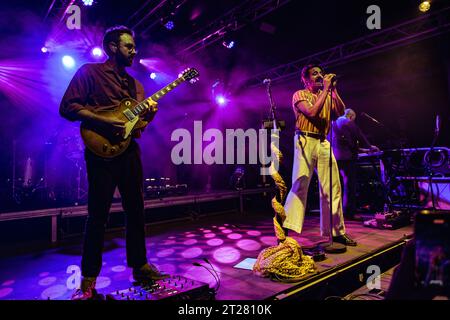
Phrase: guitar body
(106,144)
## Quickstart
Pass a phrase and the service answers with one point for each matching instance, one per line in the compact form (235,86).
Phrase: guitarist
(101,86)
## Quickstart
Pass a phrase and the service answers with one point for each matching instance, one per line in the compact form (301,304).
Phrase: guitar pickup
(130,115)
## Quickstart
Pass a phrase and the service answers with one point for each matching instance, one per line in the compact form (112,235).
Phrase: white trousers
(312,154)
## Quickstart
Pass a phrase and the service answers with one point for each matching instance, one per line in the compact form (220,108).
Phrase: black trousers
(124,172)
(347,170)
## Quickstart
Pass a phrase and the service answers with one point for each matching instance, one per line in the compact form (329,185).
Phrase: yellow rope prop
(286,260)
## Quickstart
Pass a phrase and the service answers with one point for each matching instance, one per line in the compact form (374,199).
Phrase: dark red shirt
(97,86)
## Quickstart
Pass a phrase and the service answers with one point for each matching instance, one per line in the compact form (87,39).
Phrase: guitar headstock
(190,74)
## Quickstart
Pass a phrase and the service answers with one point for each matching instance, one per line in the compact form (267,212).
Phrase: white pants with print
(313,154)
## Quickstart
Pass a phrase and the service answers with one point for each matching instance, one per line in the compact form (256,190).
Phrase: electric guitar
(108,144)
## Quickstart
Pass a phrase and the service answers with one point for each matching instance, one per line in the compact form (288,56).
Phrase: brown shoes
(148,272)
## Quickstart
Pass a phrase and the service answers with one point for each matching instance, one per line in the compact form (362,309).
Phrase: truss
(154,14)
(246,12)
(57,9)
(426,26)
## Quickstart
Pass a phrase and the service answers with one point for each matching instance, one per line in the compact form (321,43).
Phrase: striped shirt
(319,124)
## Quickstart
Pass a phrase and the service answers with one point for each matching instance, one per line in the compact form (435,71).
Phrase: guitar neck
(140,107)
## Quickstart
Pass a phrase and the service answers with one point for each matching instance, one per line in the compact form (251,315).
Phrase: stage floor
(225,240)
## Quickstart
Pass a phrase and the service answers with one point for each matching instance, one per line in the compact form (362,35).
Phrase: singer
(313,114)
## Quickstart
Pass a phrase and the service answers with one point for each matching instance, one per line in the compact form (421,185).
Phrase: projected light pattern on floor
(174,253)
(179,250)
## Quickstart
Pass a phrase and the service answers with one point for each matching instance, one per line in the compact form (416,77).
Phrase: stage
(225,240)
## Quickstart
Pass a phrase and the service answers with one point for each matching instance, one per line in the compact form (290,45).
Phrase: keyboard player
(348,141)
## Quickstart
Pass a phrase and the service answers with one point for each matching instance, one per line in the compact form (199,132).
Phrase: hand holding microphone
(329,81)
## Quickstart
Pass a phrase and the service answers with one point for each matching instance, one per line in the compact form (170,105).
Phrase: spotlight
(228,44)
(169,25)
(424,6)
(229,38)
(221,100)
(97,52)
(68,62)
(44,49)
(88,2)
(153,76)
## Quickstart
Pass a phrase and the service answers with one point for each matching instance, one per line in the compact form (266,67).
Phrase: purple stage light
(88,2)
(102,282)
(248,245)
(153,76)
(54,292)
(254,233)
(5,291)
(209,235)
(45,282)
(118,268)
(68,62)
(169,25)
(214,242)
(192,253)
(190,242)
(165,253)
(234,236)
(44,49)
(221,100)
(226,255)
(228,44)
(97,52)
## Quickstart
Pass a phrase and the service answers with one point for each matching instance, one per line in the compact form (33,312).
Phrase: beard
(125,60)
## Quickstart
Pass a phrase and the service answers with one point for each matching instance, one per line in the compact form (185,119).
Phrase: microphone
(267,81)
(438,124)
(334,79)
(369,117)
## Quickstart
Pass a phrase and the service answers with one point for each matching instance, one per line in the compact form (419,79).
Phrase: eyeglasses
(130,47)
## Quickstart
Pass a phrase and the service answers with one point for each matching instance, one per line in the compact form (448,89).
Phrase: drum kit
(56,176)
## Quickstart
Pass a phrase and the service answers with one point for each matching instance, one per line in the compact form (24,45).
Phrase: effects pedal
(174,288)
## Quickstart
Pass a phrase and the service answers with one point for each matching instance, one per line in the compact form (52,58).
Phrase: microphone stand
(276,126)
(272,106)
(396,136)
(430,171)
(332,247)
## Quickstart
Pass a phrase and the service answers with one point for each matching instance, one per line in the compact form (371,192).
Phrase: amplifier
(173,288)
